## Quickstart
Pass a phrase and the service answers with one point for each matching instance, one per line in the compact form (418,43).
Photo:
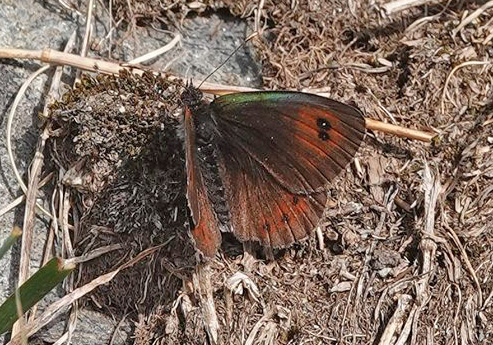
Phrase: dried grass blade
(203,286)
(35,288)
(10,120)
(59,306)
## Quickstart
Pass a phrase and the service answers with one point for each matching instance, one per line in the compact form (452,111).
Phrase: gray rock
(91,328)
(27,25)
(206,43)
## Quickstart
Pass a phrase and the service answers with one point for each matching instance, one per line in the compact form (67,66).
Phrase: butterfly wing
(302,140)
(205,231)
(278,150)
(260,208)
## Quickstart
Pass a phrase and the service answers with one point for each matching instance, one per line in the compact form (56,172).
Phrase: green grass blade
(9,241)
(35,288)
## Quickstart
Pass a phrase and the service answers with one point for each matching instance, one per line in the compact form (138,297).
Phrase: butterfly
(258,162)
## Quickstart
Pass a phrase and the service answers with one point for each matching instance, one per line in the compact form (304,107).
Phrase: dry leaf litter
(407,238)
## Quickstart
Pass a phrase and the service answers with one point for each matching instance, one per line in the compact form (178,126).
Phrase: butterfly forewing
(205,230)
(302,140)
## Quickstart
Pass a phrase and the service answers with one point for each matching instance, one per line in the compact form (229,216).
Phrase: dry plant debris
(117,149)
(408,232)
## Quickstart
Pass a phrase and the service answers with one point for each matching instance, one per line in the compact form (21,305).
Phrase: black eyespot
(266,227)
(295,199)
(285,218)
(323,135)
(323,124)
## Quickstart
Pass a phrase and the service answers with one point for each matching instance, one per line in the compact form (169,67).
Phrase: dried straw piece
(203,287)
(30,191)
(157,52)
(467,262)
(10,119)
(56,57)
(59,306)
(88,30)
(464,64)
(401,5)
(396,322)
(20,199)
(472,16)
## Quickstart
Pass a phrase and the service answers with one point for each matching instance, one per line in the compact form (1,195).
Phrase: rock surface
(206,43)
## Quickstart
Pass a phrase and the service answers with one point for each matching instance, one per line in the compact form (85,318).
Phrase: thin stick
(87,36)
(401,5)
(398,130)
(94,65)
(87,33)
(13,204)
(32,192)
(53,94)
(467,262)
(471,17)
(107,67)
(67,248)
(10,121)
(464,64)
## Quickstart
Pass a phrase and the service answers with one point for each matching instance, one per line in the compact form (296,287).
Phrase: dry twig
(60,305)
(472,16)
(94,65)
(203,287)
(401,5)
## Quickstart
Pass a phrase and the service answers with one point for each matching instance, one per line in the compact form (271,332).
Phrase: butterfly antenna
(229,57)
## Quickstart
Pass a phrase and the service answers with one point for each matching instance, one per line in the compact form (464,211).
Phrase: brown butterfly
(257,163)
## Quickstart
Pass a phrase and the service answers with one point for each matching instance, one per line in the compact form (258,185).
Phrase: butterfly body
(258,163)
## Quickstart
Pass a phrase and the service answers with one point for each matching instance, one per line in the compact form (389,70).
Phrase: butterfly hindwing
(263,210)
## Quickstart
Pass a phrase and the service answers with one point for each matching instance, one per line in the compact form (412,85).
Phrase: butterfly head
(191,97)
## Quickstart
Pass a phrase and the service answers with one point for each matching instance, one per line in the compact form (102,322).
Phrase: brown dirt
(388,260)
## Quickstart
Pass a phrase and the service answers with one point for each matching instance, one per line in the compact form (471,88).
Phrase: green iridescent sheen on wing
(260,103)
(256,96)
